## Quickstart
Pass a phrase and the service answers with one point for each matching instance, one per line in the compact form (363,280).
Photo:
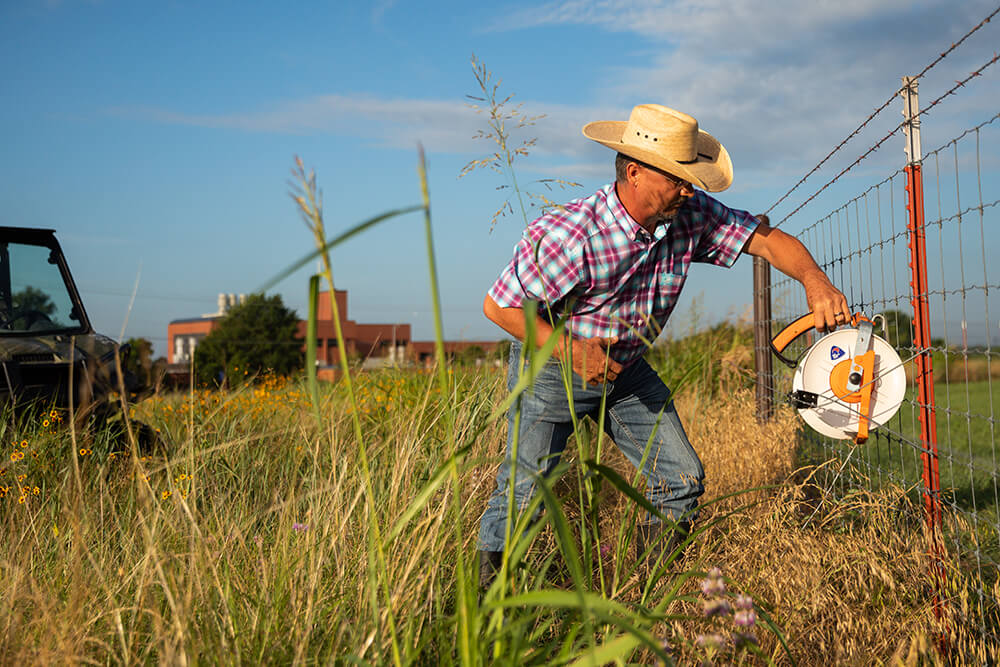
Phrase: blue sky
(157,137)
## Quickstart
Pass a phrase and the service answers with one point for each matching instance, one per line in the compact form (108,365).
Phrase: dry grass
(248,544)
(846,580)
(972,369)
(958,369)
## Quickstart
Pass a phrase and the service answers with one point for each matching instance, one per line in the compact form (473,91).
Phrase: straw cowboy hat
(669,140)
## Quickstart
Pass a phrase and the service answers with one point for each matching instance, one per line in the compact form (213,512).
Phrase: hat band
(707,157)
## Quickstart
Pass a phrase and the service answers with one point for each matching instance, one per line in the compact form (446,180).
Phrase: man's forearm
(512,321)
(787,254)
(591,357)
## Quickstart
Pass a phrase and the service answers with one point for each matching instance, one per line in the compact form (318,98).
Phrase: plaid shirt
(622,280)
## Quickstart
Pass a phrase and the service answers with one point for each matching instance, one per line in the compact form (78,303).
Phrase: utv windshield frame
(43,238)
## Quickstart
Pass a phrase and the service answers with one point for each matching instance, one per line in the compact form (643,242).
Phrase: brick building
(423,351)
(184,335)
(380,343)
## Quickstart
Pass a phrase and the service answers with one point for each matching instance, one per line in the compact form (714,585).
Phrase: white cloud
(779,83)
(392,122)
(441,125)
(380,9)
(720,24)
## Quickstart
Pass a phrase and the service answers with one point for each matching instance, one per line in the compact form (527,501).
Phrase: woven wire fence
(865,245)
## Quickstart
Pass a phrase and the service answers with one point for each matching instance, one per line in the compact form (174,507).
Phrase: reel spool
(848,383)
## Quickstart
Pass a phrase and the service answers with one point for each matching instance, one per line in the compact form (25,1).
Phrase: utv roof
(27,234)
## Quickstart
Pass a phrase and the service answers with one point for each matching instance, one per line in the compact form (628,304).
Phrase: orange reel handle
(867,361)
(791,332)
(796,329)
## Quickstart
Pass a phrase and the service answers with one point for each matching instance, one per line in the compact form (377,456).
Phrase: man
(616,261)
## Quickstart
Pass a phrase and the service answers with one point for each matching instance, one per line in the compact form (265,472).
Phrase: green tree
(140,360)
(502,350)
(147,370)
(258,335)
(30,306)
(899,329)
(32,298)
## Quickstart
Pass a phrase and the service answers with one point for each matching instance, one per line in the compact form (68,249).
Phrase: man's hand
(590,355)
(827,303)
(591,360)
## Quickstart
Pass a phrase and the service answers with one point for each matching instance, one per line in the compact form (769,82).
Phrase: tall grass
(250,542)
(505,121)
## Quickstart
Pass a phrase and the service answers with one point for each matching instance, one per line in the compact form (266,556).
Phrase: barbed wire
(882,108)
(878,144)
(887,179)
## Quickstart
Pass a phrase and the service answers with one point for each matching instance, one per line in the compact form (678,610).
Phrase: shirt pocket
(670,286)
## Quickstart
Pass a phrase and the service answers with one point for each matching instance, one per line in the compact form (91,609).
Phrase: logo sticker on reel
(836,353)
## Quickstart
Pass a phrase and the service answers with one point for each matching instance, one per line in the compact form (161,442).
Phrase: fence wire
(885,105)
(863,246)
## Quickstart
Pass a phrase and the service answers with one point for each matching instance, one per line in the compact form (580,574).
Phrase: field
(264,532)
(966,438)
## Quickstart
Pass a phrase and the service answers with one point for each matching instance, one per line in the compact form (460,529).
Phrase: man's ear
(632,171)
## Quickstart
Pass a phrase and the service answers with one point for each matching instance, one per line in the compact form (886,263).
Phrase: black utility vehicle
(50,354)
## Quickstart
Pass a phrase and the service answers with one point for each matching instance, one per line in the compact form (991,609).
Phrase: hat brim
(712,171)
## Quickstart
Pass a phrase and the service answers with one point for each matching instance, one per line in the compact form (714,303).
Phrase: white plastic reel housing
(833,417)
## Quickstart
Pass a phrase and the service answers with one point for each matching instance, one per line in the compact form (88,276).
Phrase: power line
(146,295)
(367,307)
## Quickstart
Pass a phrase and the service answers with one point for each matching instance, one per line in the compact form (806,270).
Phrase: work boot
(654,536)
(489,566)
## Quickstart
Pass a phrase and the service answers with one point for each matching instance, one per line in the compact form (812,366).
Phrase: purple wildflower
(741,639)
(299,527)
(713,641)
(713,584)
(744,601)
(745,618)
(717,607)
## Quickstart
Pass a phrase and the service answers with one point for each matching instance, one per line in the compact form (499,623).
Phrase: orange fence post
(922,335)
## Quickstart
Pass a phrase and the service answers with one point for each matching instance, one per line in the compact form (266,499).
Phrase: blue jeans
(637,405)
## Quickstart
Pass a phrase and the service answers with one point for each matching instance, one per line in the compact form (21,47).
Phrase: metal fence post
(922,332)
(762,338)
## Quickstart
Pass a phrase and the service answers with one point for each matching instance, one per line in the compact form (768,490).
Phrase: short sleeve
(544,268)
(725,231)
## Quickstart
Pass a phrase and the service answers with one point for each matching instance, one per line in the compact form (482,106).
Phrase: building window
(184,346)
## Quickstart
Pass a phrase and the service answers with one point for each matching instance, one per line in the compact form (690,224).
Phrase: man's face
(663,192)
